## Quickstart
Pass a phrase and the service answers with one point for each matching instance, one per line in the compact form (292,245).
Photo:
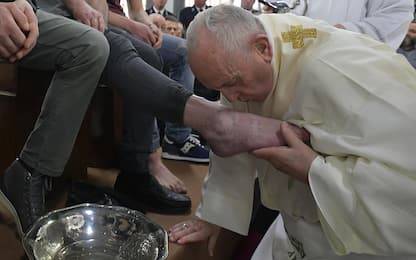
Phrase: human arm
(364,178)
(18,30)
(138,23)
(386,20)
(92,12)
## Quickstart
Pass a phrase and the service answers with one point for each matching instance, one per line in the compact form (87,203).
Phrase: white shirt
(384,20)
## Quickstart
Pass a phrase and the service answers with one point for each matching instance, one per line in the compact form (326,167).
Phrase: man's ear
(263,47)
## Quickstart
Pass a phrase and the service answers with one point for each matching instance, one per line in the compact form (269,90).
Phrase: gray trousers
(77,54)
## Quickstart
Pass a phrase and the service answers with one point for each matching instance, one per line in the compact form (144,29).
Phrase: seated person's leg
(135,186)
(78,54)
(144,50)
(165,177)
(141,83)
(178,142)
(156,167)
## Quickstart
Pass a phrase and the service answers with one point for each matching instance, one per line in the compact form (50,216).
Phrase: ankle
(155,156)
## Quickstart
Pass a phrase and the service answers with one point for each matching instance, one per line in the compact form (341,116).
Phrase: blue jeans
(175,57)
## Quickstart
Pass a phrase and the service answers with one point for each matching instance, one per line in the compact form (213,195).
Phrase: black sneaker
(23,194)
(144,192)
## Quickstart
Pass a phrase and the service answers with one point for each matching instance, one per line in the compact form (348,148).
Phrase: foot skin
(163,175)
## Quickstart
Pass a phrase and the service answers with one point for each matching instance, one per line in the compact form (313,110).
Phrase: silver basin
(91,231)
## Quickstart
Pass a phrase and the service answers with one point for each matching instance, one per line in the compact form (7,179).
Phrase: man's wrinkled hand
(144,32)
(300,132)
(195,230)
(293,159)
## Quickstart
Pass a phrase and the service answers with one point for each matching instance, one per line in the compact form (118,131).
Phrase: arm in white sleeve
(365,183)
(386,20)
(365,206)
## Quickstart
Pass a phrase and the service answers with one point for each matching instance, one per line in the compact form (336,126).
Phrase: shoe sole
(183,158)
(9,206)
(133,204)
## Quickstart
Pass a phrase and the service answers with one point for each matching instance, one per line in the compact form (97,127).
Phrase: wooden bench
(8,115)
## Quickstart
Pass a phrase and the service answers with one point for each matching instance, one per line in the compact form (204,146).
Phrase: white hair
(230,25)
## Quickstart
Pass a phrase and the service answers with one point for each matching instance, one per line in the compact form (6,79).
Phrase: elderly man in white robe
(350,194)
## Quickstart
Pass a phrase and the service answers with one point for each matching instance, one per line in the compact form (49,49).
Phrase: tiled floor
(191,174)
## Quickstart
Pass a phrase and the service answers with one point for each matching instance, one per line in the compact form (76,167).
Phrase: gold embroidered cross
(297,34)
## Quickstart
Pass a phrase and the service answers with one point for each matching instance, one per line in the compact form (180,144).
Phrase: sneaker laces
(194,139)
(190,143)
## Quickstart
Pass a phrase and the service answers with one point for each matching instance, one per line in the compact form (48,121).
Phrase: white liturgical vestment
(357,98)
(383,20)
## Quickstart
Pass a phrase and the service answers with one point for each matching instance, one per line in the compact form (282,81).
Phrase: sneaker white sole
(184,158)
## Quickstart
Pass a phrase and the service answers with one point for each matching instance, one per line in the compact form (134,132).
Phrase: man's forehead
(212,70)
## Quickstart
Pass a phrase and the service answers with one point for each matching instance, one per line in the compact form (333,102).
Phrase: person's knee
(96,48)
(182,50)
(151,57)
(176,47)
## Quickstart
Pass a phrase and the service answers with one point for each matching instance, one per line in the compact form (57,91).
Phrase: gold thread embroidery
(297,34)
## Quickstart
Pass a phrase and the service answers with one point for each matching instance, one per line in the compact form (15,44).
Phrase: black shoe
(81,192)
(23,194)
(144,192)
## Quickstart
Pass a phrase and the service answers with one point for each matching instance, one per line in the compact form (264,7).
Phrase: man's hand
(411,33)
(87,15)
(339,26)
(195,230)
(157,32)
(294,159)
(18,29)
(150,34)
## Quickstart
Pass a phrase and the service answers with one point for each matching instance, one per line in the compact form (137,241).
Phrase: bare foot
(163,175)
